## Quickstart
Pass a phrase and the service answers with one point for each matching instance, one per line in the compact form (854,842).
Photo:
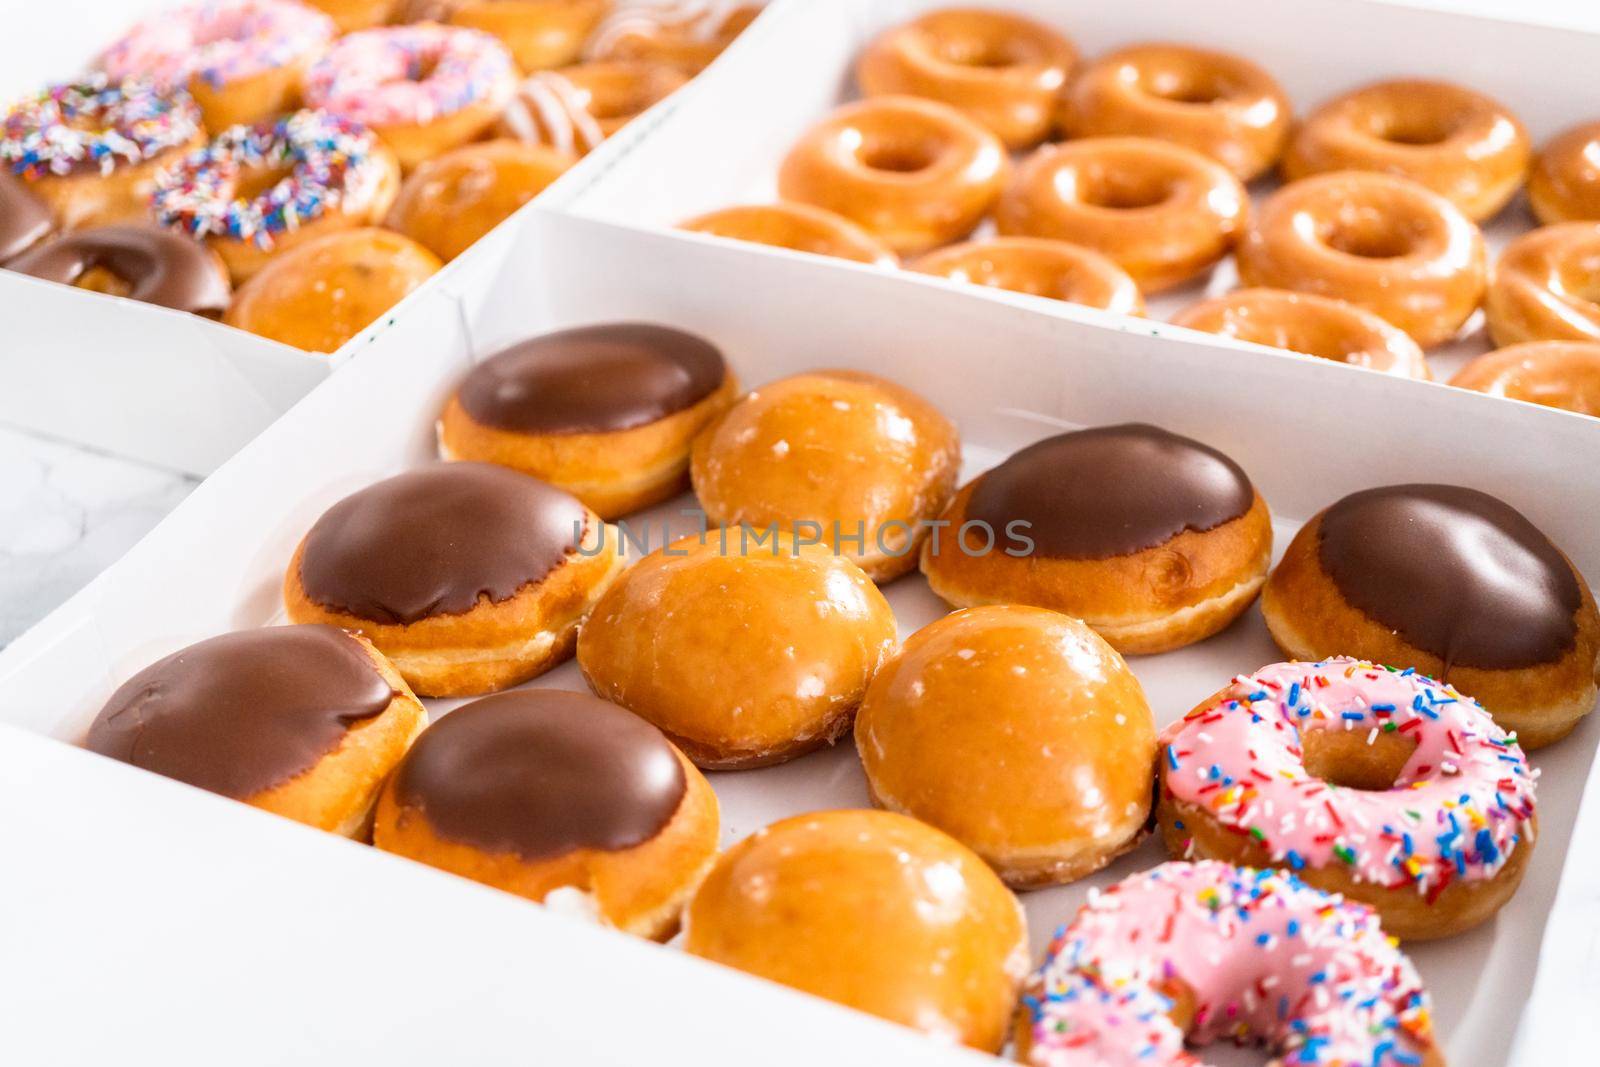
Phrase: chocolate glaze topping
(1455,572)
(432,541)
(160,267)
(541,773)
(593,379)
(244,712)
(1110,491)
(24,218)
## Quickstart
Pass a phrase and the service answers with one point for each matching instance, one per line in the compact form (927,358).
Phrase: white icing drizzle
(698,20)
(549,110)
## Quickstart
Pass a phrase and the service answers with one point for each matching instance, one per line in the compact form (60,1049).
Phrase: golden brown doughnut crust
(538,33)
(799,227)
(351,15)
(1309,324)
(1558,374)
(1041,267)
(448,203)
(1546,286)
(618,93)
(688,45)
(1564,185)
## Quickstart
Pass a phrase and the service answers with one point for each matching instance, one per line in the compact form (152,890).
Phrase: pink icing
(411,75)
(218,42)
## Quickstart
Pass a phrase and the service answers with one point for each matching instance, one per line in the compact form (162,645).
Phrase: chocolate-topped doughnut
(607,411)
(24,218)
(1153,539)
(263,716)
(540,789)
(143,263)
(1454,583)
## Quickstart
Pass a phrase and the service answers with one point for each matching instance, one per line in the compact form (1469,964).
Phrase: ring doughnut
(1546,286)
(1220,105)
(1162,212)
(684,34)
(1558,374)
(798,227)
(1462,145)
(574,109)
(451,201)
(351,15)
(539,33)
(1310,324)
(1564,185)
(1380,242)
(1041,267)
(143,263)
(25,220)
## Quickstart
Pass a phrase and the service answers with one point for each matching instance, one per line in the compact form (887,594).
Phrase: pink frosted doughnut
(218,42)
(411,75)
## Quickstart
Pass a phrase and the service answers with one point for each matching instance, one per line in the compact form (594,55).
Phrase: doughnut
(745,653)
(1382,243)
(538,33)
(321,294)
(606,412)
(449,202)
(1464,146)
(871,910)
(1040,267)
(91,149)
(1379,784)
(1187,954)
(1564,185)
(241,60)
(1217,104)
(143,263)
(913,173)
(576,108)
(1162,212)
(1558,374)
(1154,540)
(1001,70)
(1452,583)
(798,227)
(834,457)
(25,220)
(256,191)
(1066,739)
(350,15)
(685,34)
(559,798)
(1546,286)
(1312,325)
(470,577)
(302,721)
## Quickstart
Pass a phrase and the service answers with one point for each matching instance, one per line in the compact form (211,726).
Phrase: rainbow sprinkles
(94,126)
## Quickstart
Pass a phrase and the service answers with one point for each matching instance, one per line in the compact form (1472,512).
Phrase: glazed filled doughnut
(422,89)
(1564,185)
(574,109)
(1040,267)
(744,653)
(1002,70)
(256,191)
(914,173)
(1162,212)
(1380,242)
(1154,540)
(684,34)
(449,202)
(302,721)
(1546,286)
(539,33)
(874,911)
(1309,324)
(470,577)
(319,295)
(1558,374)
(557,797)
(91,149)
(1191,953)
(1379,784)
(1066,739)
(25,220)
(142,263)
(1450,582)
(799,227)
(241,60)
(788,457)
(350,15)
(605,412)
(1217,104)
(1464,146)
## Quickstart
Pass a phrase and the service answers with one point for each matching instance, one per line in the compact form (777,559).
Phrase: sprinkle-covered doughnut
(94,125)
(218,42)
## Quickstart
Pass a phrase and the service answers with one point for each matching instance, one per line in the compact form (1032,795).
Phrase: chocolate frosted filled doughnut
(142,263)
(24,218)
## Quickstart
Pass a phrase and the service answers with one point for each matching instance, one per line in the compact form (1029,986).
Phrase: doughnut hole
(898,154)
(1186,85)
(1117,188)
(988,52)
(1346,758)
(102,280)
(257,181)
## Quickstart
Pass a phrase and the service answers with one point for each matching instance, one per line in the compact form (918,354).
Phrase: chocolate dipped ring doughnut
(1309,324)
(575,108)
(1558,374)
(25,220)
(1040,267)
(1564,185)
(539,33)
(142,263)
(798,227)
(1546,286)
(684,34)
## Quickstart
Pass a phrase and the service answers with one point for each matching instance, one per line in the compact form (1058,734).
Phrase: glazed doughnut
(1546,286)
(470,577)
(449,202)
(1309,324)
(1460,144)
(1383,243)
(1564,185)
(319,295)
(684,34)
(1217,104)
(1154,540)
(914,173)
(1162,212)
(606,412)
(91,149)
(1188,954)
(351,15)
(539,33)
(302,721)
(241,60)
(541,792)
(255,192)
(1001,70)
(574,109)
(25,220)
(798,227)
(142,263)
(422,89)
(874,911)
(1040,267)
(789,457)
(745,653)
(1450,582)
(1558,374)
(1067,743)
